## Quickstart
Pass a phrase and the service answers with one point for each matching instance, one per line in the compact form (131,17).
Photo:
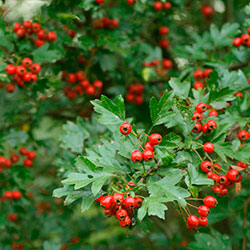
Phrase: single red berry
(23,151)
(205,129)
(201,107)
(198,74)
(149,146)
(51,36)
(198,85)
(223,179)
(215,177)
(138,202)
(203,221)
(71,33)
(237,42)
(14,158)
(164,30)
(192,220)
(31,155)
(210,201)
(35,68)
(16,195)
(108,213)
(71,78)
(39,42)
(213,113)
(8,163)
(216,190)
(209,174)
(244,38)
(197,116)
(113,23)
(85,83)
(11,69)
(27,24)
(203,211)
(217,167)
(20,70)
(42,34)
(223,191)
(197,128)
(74,240)
(28,163)
(80,75)
(238,94)
(121,214)
(12,217)
(211,124)
(207,11)
(10,88)
(33,78)
(167,5)
(26,62)
(21,32)
(167,64)
(139,99)
(243,135)
(207,72)
(129,202)
(100,1)
(117,199)
(7,195)
(27,77)
(36,27)
(98,84)
(242,164)
(90,90)
(164,43)
(99,198)
(155,139)
(233,175)
(17,26)
(136,156)
(106,202)
(125,128)
(158,6)
(148,155)
(126,222)
(206,166)
(208,147)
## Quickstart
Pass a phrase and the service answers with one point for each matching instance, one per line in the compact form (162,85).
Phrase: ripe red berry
(206,166)
(207,72)
(39,42)
(17,26)
(28,163)
(205,129)
(31,155)
(198,74)
(138,202)
(117,199)
(237,42)
(10,88)
(27,77)
(243,135)
(213,113)
(90,90)
(164,30)
(7,195)
(85,83)
(12,217)
(20,70)
(27,24)
(35,68)
(238,94)
(192,220)
(125,128)
(99,198)
(100,1)
(197,128)
(33,78)
(21,32)
(208,147)
(201,107)
(23,151)
(198,85)
(217,167)
(71,78)
(203,221)
(155,139)
(26,62)
(215,177)
(121,214)
(98,84)
(36,27)
(207,11)
(209,174)
(167,64)
(211,124)
(126,222)
(42,34)
(139,99)
(197,116)
(222,179)
(16,195)
(158,6)
(244,38)
(167,5)
(148,155)
(210,201)
(149,146)
(203,211)
(233,175)
(216,190)
(11,69)
(136,156)
(51,36)
(106,202)
(129,202)
(14,158)
(242,164)
(164,43)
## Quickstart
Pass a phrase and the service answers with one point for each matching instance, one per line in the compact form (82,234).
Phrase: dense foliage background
(74,132)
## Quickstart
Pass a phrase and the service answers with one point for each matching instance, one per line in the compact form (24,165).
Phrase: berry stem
(194,199)
(197,154)
(191,205)
(185,210)
(210,159)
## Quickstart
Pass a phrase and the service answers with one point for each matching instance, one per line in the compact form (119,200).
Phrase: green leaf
(224,150)
(181,89)
(198,178)
(78,180)
(158,111)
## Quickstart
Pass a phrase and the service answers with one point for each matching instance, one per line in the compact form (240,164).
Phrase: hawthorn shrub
(135,110)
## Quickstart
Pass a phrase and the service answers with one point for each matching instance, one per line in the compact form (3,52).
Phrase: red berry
(208,147)
(149,146)
(207,72)
(26,62)
(27,77)
(14,158)
(148,155)
(233,175)
(98,84)
(42,34)
(99,198)
(17,26)
(243,135)
(206,166)
(23,151)
(36,27)
(20,70)
(108,213)
(158,6)
(28,163)
(100,1)
(117,199)
(164,43)
(238,94)
(27,24)
(80,75)
(205,129)
(90,90)
(207,10)
(167,64)
(213,113)
(223,179)
(16,195)
(71,78)
(167,5)
(31,155)
(139,100)
(136,156)
(85,83)
(197,128)
(210,201)
(106,202)
(125,128)
(217,167)
(203,221)
(209,174)
(223,191)
(237,42)
(215,177)
(203,211)
(11,69)
(21,32)
(39,42)
(192,220)
(7,195)
(129,97)
(197,116)
(35,68)
(51,36)
(113,23)
(10,88)
(198,74)
(121,214)
(198,85)
(126,222)
(131,2)
(155,139)
(138,202)
(33,78)
(244,38)
(201,107)
(216,190)
(12,217)
(242,164)
(129,202)
(71,33)
(211,124)
(164,30)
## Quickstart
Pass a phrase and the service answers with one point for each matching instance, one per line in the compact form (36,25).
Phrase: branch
(152,169)
(239,66)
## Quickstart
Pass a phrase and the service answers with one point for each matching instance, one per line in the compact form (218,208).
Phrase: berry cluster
(12,195)
(244,40)
(22,74)
(14,158)
(19,246)
(80,85)
(148,150)
(166,64)
(158,6)
(201,76)
(121,206)
(136,93)
(105,22)
(27,29)
(193,222)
